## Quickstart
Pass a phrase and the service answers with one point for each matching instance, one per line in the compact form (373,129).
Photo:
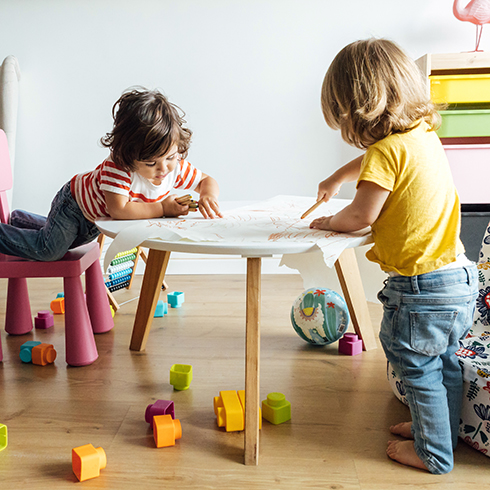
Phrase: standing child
(376,96)
(148,145)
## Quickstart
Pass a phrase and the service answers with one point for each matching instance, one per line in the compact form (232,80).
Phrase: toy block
(26,350)
(58,306)
(229,411)
(43,354)
(87,461)
(3,437)
(160,407)
(166,430)
(241,397)
(276,409)
(175,299)
(44,319)
(60,295)
(181,376)
(161,309)
(350,345)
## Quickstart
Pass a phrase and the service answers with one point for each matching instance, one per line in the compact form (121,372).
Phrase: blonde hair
(373,89)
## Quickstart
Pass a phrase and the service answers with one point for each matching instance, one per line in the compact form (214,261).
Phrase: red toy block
(160,407)
(44,319)
(43,354)
(350,345)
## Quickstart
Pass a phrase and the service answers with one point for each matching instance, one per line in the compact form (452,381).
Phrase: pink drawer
(470,166)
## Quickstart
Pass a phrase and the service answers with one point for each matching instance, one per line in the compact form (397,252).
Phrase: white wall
(247,73)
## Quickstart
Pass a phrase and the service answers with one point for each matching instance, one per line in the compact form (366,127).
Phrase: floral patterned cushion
(481,320)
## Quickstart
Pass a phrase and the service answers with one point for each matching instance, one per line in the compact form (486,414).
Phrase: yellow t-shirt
(418,228)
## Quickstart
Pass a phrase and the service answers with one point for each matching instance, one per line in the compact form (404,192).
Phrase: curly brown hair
(146,125)
(373,89)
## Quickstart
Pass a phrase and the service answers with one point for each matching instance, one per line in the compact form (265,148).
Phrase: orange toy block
(87,461)
(58,306)
(166,430)
(229,411)
(43,354)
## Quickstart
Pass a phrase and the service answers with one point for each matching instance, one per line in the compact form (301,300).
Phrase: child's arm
(348,173)
(120,207)
(208,190)
(361,213)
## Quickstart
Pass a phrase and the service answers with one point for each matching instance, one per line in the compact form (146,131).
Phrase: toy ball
(320,316)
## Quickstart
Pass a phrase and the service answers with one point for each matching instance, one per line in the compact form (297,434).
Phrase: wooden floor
(341,406)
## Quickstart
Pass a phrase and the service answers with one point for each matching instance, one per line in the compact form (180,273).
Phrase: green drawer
(464,123)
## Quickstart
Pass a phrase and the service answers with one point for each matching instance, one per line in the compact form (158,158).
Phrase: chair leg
(97,302)
(18,318)
(79,337)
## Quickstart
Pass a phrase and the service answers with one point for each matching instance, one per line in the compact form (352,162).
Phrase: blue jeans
(424,318)
(35,237)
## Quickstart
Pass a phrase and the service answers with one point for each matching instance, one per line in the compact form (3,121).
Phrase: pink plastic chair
(83,316)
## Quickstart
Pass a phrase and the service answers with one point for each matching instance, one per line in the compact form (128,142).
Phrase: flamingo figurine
(477,12)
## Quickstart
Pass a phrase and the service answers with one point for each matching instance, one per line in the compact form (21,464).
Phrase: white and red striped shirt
(87,188)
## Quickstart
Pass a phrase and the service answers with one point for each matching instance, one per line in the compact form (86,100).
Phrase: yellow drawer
(453,89)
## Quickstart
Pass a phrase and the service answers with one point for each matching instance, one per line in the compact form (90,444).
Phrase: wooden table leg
(351,283)
(150,292)
(252,358)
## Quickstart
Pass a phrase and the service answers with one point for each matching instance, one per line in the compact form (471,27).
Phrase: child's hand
(209,207)
(322,223)
(171,207)
(328,189)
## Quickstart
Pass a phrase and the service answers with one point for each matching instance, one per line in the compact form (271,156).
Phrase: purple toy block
(160,407)
(44,319)
(350,345)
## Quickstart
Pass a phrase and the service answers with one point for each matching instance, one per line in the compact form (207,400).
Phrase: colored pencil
(305,214)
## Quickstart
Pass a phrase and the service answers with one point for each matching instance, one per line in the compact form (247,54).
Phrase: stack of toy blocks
(166,428)
(461,82)
(229,408)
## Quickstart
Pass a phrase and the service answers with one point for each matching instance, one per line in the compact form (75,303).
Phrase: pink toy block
(350,345)
(44,319)
(160,407)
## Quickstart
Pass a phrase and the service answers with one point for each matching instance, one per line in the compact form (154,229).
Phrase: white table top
(112,227)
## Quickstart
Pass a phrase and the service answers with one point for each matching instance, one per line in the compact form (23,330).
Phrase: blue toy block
(60,295)
(26,350)
(175,299)
(161,309)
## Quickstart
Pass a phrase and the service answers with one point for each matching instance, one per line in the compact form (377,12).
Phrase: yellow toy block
(43,354)
(166,430)
(87,461)
(229,408)
(3,437)
(241,396)
(229,411)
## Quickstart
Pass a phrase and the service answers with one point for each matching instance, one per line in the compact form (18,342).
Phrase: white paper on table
(274,220)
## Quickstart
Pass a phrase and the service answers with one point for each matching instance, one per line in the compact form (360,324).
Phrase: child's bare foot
(404,453)
(403,429)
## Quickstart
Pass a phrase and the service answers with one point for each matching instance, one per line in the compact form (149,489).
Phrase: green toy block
(180,376)
(276,409)
(3,437)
